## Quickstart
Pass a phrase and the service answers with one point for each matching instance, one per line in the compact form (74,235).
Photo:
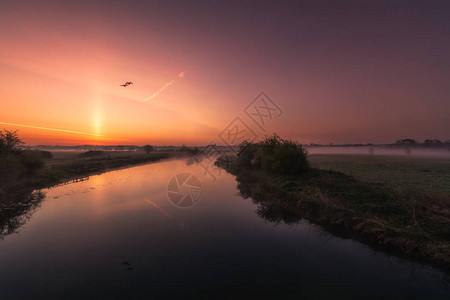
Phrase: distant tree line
(436,143)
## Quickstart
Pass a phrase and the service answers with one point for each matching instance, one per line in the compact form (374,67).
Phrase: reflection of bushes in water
(409,223)
(16,210)
(276,175)
(269,206)
(273,209)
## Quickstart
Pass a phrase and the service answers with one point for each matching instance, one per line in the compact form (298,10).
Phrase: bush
(248,156)
(45,154)
(10,168)
(31,159)
(147,148)
(274,155)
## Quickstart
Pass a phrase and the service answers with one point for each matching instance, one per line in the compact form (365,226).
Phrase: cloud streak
(52,129)
(181,75)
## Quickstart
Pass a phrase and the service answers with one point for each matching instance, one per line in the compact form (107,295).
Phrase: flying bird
(126,84)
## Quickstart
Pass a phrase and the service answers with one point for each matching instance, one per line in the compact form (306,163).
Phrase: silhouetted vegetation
(15,162)
(274,155)
(24,169)
(187,151)
(32,160)
(406,142)
(16,208)
(147,148)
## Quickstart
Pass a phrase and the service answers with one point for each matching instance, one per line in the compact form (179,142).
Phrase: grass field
(405,172)
(64,157)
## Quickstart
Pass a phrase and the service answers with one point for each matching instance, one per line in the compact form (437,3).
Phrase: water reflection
(267,209)
(16,209)
(77,243)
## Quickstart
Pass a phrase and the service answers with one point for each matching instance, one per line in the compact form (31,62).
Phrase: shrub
(31,159)
(248,156)
(274,155)
(45,154)
(10,165)
(147,148)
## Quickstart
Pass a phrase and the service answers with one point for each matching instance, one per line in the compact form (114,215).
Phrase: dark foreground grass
(410,223)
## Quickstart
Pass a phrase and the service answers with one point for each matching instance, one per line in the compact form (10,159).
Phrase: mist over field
(380,150)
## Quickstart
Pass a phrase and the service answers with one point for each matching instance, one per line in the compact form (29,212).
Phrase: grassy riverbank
(413,224)
(407,222)
(64,166)
(19,200)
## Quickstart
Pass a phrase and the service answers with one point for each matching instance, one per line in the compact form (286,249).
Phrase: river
(131,233)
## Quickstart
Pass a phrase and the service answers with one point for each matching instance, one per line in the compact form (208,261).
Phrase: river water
(132,234)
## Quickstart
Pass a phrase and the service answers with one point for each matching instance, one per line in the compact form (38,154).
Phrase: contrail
(181,75)
(52,129)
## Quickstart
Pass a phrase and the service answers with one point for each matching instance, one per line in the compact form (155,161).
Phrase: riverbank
(70,165)
(413,224)
(19,200)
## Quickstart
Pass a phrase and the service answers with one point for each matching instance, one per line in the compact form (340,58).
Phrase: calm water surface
(74,246)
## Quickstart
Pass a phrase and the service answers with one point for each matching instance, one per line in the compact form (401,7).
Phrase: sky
(334,71)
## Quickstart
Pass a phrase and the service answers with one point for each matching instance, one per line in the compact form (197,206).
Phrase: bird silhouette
(126,84)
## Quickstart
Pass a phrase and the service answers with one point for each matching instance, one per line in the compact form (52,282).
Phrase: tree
(406,142)
(9,140)
(147,148)
(10,165)
(435,142)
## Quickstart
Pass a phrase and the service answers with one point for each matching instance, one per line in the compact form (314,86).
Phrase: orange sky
(61,66)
